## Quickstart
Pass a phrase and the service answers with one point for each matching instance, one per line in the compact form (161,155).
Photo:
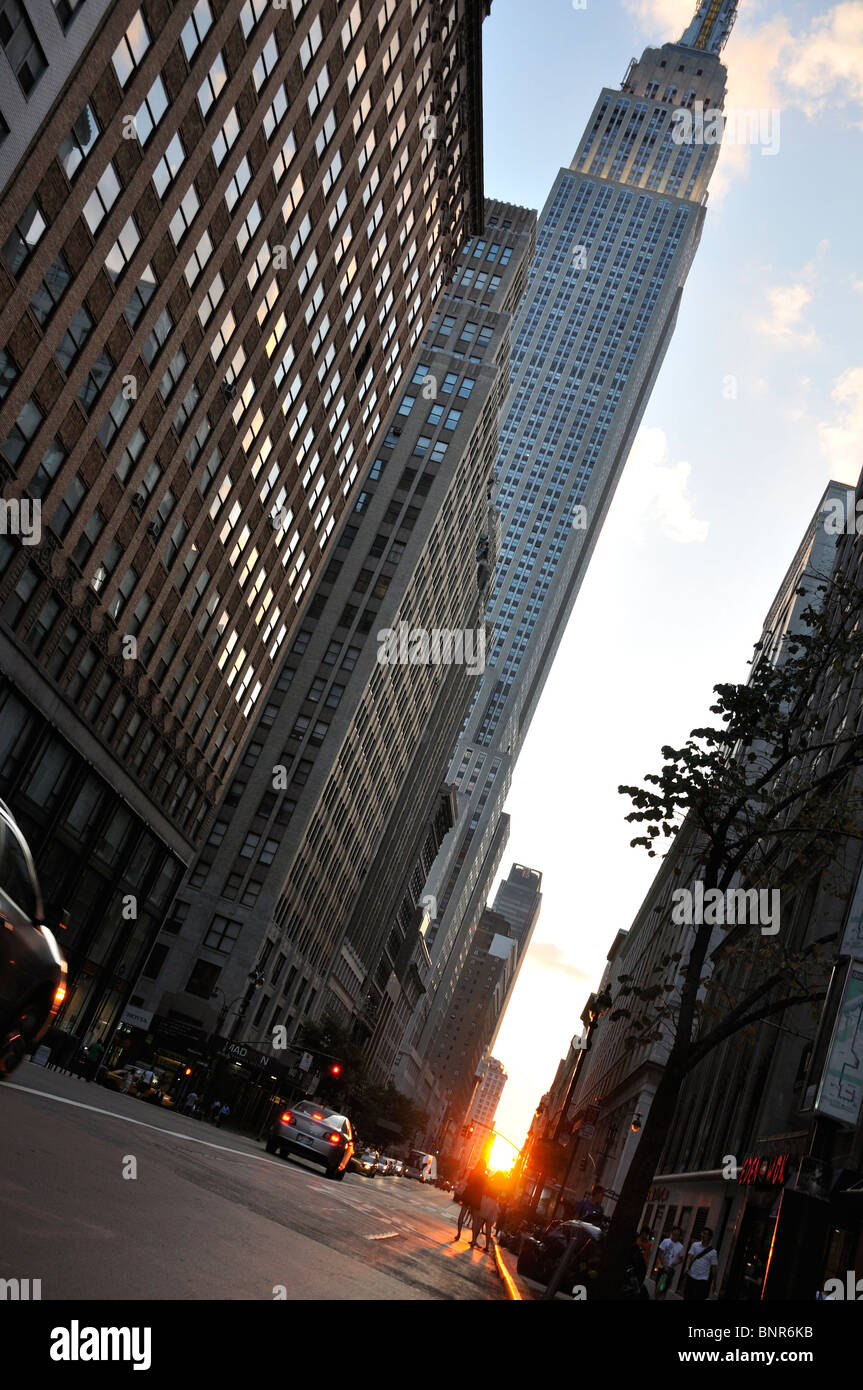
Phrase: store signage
(137,1018)
(239,1052)
(758,1171)
(840,1093)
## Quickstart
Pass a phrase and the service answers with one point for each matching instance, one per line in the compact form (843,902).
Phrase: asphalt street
(105,1197)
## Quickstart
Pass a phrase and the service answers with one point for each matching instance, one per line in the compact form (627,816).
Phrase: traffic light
(188,1071)
(336,1069)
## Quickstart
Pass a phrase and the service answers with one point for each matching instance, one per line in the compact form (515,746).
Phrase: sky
(758,404)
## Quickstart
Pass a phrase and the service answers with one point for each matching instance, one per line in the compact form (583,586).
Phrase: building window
(151,111)
(28,422)
(78,144)
(24,236)
(184,217)
(203,979)
(74,338)
(103,197)
(65,513)
(94,382)
(131,49)
(66,11)
(141,296)
(23,49)
(251,13)
(227,136)
(200,22)
(123,249)
(212,84)
(167,169)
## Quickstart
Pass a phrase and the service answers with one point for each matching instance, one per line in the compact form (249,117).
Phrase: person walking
(214,1111)
(95,1053)
(474,1191)
(190,1102)
(701,1265)
(488,1215)
(669,1257)
(224,1112)
(463,1211)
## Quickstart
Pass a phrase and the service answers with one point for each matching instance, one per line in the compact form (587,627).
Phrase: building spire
(713,22)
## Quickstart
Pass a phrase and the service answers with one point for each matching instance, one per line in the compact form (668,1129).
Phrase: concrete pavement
(106,1197)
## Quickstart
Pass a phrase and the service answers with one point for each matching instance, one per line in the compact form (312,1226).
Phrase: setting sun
(502,1155)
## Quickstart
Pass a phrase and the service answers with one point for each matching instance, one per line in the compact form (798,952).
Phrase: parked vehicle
(32,966)
(316,1133)
(422,1166)
(541,1254)
(365,1163)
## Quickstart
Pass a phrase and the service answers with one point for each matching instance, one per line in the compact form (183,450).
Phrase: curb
(516,1289)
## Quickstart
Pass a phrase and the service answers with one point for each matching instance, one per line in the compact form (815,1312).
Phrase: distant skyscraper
(615,243)
(483,1109)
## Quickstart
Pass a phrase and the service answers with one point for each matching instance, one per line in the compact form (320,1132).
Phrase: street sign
(305,1062)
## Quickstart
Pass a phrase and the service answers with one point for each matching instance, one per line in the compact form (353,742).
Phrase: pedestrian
(669,1256)
(224,1112)
(589,1208)
(95,1053)
(474,1191)
(190,1102)
(214,1111)
(464,1210)
(488,1215)
(701,1265)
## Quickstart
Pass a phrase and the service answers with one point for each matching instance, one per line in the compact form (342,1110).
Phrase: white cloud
(842,437)
(826,65)
(785,320)
(550,957)
(652,494)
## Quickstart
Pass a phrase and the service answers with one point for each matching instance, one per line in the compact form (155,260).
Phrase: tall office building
(224,227)
(308,882)
(483,1109)
(615,243)
(470,1026)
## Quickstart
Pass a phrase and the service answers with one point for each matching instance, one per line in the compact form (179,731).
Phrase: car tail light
(317,1117)
(334,1138)
(287,1118)
(59,996)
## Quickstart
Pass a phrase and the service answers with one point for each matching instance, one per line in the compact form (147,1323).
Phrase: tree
(765,797)
(379,1112)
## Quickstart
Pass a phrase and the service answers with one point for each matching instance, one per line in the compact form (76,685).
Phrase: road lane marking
(143,1124)
(388,1235)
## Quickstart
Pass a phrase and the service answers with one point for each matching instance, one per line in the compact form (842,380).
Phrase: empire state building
(615,242)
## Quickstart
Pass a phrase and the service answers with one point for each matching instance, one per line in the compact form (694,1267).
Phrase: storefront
(692,1201)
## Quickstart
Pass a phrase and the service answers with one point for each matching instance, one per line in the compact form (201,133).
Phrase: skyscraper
(224,226)
(615,242)
(310,875)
